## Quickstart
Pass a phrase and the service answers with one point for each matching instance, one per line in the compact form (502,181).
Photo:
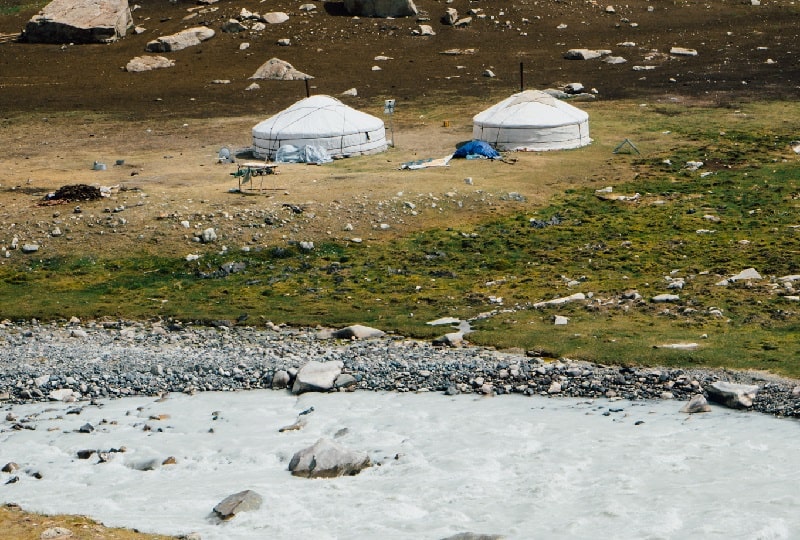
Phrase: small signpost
(388,109)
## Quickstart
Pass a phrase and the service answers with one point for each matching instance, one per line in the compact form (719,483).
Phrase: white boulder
(327,459)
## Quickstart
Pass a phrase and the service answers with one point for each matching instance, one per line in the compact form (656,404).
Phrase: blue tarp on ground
(476,149)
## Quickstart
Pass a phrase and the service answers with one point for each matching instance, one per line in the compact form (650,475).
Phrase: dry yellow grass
(16,524)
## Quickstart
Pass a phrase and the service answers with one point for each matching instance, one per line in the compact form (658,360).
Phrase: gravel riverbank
(79,361)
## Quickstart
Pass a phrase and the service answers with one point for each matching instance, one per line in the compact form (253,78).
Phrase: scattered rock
(55,533)
(681,51)
(233,26)
(582,54)
(744,275)
(563,300)
(208,235)
(662,298)
(298,425)
(148,63)
(276,17)
(345,381)
(182,40)
(279,70)
(280,379)
(357,331)
(452,339)
(678,346)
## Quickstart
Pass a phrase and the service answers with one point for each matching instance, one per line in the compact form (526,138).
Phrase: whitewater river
(511,465)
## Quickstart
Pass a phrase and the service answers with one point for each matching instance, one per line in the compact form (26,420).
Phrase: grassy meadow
(491,264)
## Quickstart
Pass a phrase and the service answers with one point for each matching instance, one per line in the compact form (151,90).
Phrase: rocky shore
(77,361)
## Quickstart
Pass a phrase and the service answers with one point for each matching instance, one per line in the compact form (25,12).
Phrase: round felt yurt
(532,121)
(320,121)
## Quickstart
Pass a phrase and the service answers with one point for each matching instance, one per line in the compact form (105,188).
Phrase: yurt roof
(317,116)
(530,109)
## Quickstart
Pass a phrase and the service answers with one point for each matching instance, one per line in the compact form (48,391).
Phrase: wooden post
(308,91)
(521,78)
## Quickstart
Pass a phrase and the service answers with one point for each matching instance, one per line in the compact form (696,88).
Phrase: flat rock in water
(317,376)
(733,395)
(244,501)
(82,21)
(327,459)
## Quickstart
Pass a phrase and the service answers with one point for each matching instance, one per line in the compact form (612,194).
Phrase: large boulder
(244,501)
(327,459)
(733,395)
(183,39)
(279,70)
(80,21)
(381,8)
(317,376)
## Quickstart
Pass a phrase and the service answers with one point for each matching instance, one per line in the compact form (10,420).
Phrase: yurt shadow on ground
(320,121)
(532,121)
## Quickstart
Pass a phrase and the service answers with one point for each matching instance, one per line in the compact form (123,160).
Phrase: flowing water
(510,465)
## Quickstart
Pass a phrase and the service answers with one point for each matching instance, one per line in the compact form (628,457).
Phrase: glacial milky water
(517,466)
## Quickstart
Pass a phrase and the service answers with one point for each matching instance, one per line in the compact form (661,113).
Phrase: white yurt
(534,121)
(320,121)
